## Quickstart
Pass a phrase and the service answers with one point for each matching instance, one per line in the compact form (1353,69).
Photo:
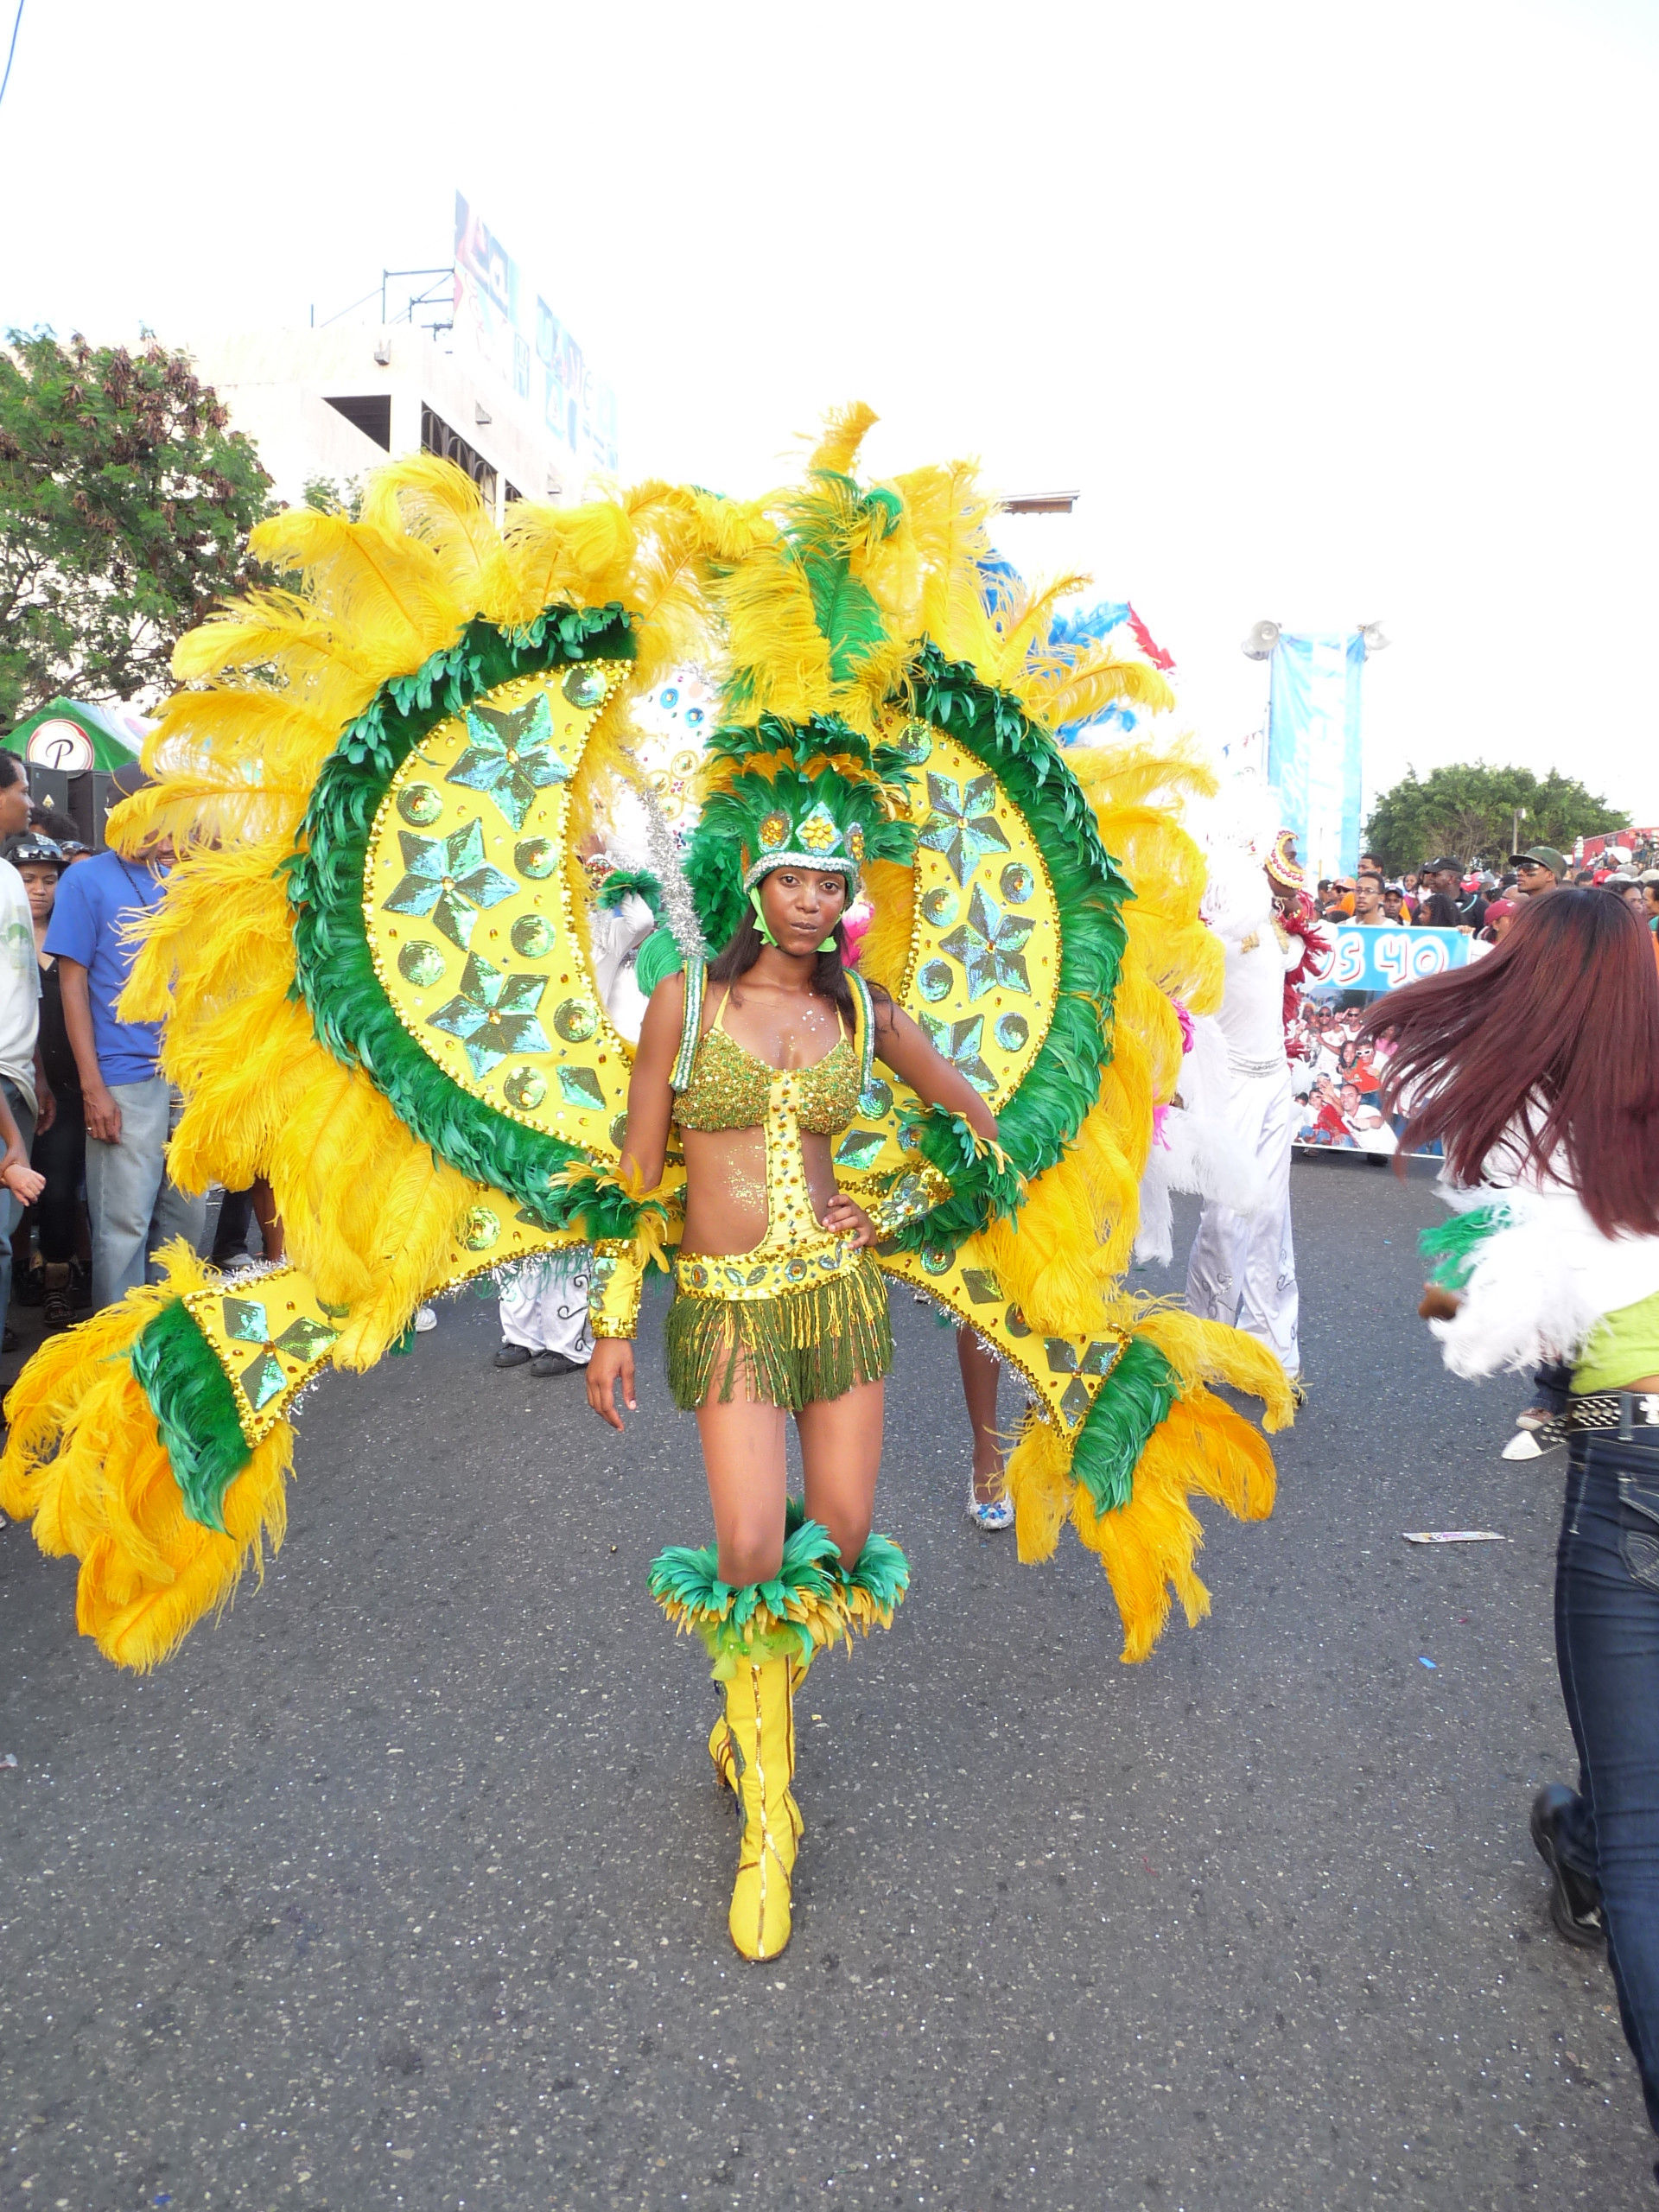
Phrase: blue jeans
(134,1203)
(1607,1646)
(10,1212)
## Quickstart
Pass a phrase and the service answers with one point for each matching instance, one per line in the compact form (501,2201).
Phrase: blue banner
(1313,746)
(1383,959)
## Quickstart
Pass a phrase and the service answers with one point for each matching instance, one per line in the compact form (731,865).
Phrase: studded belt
(1631,1415)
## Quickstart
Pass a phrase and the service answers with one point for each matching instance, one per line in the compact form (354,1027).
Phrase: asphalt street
(405,1884)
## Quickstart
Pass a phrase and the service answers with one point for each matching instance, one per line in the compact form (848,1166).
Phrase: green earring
(829,945)
(766,936)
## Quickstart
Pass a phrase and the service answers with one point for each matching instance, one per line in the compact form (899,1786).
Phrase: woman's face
(801,905)
(40,881)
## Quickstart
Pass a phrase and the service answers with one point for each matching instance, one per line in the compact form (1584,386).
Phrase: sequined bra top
(721,1086)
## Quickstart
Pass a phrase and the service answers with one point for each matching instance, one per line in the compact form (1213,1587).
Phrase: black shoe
(555,1363)
(1574,1898)
(9,1338)
(513,1356)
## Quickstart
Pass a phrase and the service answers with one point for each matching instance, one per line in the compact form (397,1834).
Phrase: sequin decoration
(493,1014)
(1017,883)
(1012,1031)
(448,879)
(773,832)
(535,857)
(962,1043)
(524,1088)
(575,1020)
(585,687)
(940,906)
(875,1100)
(420,806)
(915,741)
(934,980)
(481,1229)
(581,1087)
(246,1321)
(422,963)
(860,1149)
(963,825)
(990,945)
(818,831)
(532,936)
(511,756)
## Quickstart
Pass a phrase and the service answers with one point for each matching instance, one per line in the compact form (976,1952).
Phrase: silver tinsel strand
(679,908)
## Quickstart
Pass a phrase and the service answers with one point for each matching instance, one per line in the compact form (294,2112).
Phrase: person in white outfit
(1243,1269)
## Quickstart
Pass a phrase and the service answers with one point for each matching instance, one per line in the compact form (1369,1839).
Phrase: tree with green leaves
(126,505)
(1469,810)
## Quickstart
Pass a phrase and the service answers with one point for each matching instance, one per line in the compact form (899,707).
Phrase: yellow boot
(760,1721)
(722,1750)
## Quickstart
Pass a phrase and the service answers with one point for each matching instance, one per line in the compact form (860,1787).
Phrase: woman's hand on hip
(846,1218)
(612,1363)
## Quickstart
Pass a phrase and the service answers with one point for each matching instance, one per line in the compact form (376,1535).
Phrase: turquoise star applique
(449,879)
(963,825)
(493,1014)
(509,756)
(246,1322)
(961,1044)
(990,945)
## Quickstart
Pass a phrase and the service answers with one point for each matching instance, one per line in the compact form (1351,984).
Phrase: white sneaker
(426,1318)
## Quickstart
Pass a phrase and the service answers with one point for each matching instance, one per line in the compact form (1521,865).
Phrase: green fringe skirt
(788,1350)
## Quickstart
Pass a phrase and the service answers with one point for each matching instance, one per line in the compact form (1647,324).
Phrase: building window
(372,414)
(438,437)
(512,493)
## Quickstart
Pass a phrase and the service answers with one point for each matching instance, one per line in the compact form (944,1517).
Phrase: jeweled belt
(778,1273)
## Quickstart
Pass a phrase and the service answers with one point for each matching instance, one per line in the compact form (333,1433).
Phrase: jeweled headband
(816,841)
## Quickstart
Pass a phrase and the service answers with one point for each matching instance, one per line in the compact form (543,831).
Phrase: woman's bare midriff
(726,1188)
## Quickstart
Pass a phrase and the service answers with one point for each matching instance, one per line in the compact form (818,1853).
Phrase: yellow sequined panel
(468,908)
(729,1089)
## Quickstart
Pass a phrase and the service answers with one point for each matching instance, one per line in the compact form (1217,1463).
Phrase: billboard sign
(500,314)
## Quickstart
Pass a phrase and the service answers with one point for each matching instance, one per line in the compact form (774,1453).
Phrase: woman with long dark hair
(1538,1071)
(760,1059)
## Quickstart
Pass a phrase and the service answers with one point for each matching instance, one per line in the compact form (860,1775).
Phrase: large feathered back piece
(375,964)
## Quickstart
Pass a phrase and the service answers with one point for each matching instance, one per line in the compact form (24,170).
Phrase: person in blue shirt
(131,1108)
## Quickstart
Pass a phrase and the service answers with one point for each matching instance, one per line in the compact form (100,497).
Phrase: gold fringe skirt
(789,1331)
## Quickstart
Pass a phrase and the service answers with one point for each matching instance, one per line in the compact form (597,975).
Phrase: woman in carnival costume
(377,967)
(1538,1070)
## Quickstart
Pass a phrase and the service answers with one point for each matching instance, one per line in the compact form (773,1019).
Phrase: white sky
(1332,312)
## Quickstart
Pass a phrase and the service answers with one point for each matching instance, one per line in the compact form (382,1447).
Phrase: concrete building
(338,402)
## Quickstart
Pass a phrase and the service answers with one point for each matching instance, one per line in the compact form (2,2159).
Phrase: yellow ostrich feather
(86,1458)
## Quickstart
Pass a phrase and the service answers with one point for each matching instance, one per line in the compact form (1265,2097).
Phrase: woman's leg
(980,1372)
(840,1455)
(743,1457)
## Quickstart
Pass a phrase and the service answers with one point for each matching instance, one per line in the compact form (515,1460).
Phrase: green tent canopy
(71,738)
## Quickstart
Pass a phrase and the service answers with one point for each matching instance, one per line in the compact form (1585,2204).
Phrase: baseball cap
(1649,875)
(1446,861)
(1546,855)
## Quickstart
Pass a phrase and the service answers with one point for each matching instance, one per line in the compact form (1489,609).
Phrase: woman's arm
(645,1153)
(16,1173)
(900,1045)
(650,1102)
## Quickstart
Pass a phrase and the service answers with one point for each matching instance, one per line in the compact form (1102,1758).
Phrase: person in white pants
(1243,1269)
(544,1315)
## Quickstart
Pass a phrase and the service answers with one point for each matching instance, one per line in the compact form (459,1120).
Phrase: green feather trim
(881,1571)
(1134,1399)
(753,1620)
(1454,1246)
(175,1366)
(333,968)
(659,956)
(1063,1083)
(625,882)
